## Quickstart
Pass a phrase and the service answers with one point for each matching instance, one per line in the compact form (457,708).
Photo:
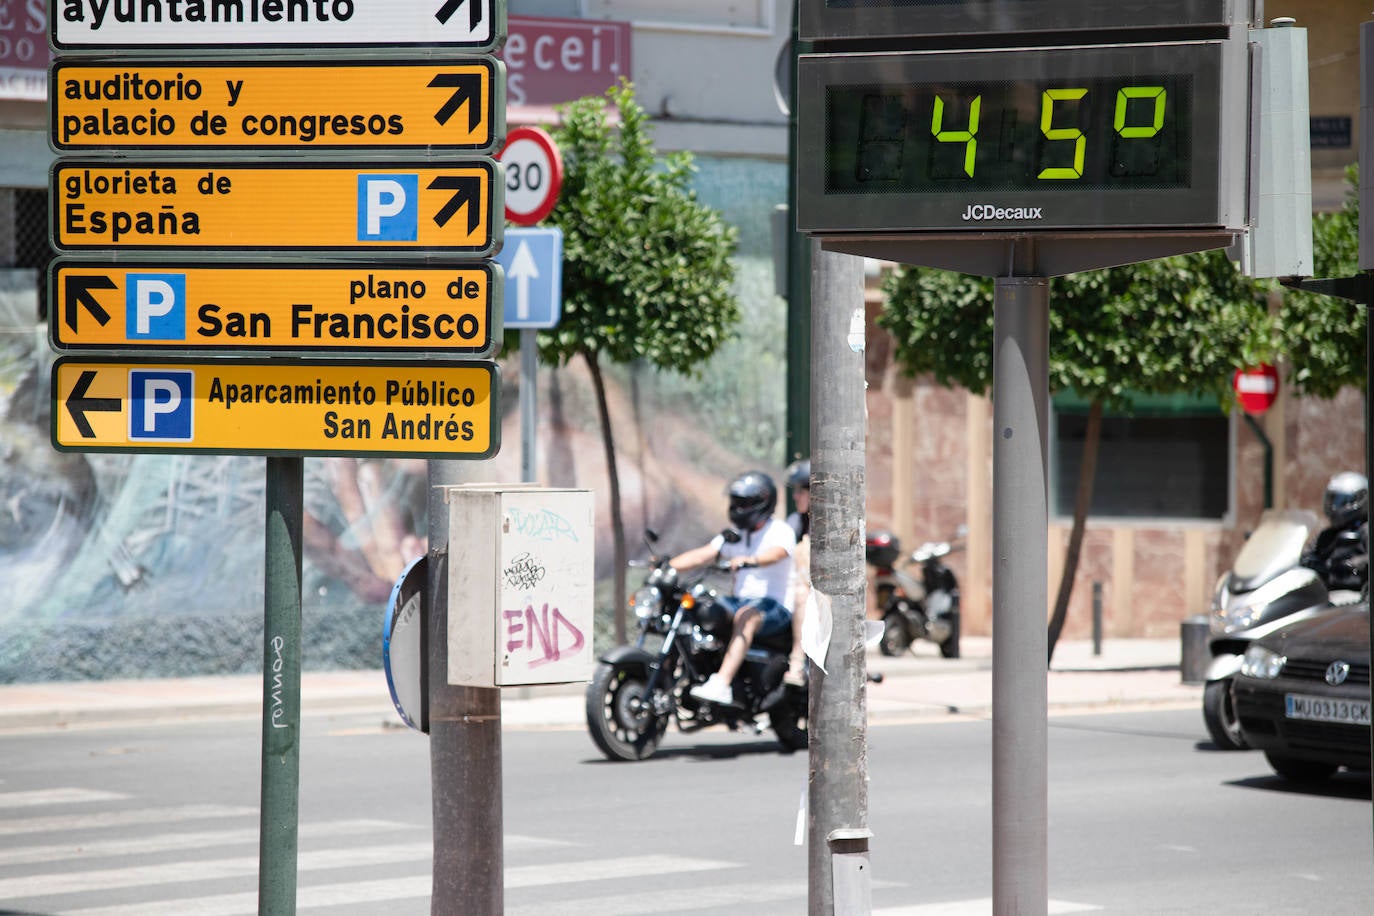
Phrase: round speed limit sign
(534,173)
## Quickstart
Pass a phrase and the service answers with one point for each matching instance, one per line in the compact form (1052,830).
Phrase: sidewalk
(1130,673)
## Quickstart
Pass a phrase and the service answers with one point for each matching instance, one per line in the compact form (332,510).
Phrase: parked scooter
(912,609)
(1266,588)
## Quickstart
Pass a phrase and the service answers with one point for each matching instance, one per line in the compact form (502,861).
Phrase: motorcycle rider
(762,563)
(799,483)
(1339,554)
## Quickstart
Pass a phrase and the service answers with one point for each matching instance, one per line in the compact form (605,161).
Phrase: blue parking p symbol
(160,405)
(155,306)
(388,208)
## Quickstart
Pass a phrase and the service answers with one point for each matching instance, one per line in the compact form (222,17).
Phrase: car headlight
(1262,663)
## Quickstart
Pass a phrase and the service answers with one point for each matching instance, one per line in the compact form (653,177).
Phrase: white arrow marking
(522,270)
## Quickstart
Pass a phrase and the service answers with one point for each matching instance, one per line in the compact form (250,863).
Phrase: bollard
(1097,619)
(1193,633)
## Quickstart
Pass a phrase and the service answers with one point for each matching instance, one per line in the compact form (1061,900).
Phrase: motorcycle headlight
(1262,663)
(1239,616)
(646,602)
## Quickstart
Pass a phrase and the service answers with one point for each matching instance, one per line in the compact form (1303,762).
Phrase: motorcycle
(1265,589)
(638,690)
(912,609)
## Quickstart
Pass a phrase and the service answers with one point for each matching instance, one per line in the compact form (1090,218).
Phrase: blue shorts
(776,617)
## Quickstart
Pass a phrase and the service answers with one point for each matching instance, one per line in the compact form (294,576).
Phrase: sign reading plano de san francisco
(294,104)
(264,205)
(254,407)
(470,25)
(395,309)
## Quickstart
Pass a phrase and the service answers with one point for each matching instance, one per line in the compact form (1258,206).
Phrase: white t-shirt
(772,581)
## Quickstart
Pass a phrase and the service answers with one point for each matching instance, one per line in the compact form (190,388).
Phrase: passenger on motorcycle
(762,563)
(1339,554)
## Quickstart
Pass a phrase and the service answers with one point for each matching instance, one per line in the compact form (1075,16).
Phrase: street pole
(1020,588)
(464,750)
(529,404)
(278,830)
(798,414)
(838,866)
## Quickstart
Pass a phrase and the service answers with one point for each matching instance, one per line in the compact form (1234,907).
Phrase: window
(731,15)
(24,236)
(1169,458)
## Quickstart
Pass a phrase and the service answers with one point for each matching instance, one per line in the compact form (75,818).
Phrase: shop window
(1169,458)
(24,238)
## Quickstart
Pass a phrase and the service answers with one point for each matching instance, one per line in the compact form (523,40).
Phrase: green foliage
(647,270)
(1323,337)
(1174,325)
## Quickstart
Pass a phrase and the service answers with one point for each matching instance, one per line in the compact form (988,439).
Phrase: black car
(1303,695)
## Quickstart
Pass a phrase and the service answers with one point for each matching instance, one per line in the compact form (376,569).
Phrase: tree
(1324,338)
(1169,326)
(647,269)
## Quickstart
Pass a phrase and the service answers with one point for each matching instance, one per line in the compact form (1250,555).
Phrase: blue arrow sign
(533,262)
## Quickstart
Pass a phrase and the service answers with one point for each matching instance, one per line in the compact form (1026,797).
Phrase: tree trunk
(617,523)
(1082,500)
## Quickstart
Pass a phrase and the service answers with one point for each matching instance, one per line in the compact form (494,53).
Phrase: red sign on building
(549,61)
(24,53)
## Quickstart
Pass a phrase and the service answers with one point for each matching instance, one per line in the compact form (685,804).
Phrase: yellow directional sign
(395,309)
(293,104)
(232,406)
(282,204)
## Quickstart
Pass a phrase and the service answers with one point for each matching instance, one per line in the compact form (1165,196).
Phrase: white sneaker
(715,690)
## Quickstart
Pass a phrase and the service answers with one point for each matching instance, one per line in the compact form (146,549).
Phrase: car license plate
(1327,709)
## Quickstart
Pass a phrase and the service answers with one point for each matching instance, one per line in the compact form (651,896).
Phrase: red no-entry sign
(1256,388)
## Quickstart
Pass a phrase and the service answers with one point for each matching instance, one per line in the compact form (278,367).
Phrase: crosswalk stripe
(128,818)
(173,841)
(67,796)
(699,898)
(568,872)
(981,907)
(180,872)
(379,891)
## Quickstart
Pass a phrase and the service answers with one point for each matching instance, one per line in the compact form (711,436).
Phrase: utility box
(520,585)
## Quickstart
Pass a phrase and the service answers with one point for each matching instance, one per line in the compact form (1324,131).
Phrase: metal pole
(464,750)
(1366,249)
(798,419)
(1020,596)
(1097,619)
(838,869)
(281,689)
(1268,447)
(529,403)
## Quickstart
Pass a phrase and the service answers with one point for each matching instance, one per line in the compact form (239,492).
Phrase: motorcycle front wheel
(619,714)
(895,640)
(1219,713)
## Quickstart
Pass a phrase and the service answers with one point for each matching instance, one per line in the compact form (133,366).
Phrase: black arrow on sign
(78,404)
(467,88)
(467,191)
(79,294)
(451,6)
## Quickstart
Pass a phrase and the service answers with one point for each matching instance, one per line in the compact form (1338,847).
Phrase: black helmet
(799,474)
(1346,498)
(752,499)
